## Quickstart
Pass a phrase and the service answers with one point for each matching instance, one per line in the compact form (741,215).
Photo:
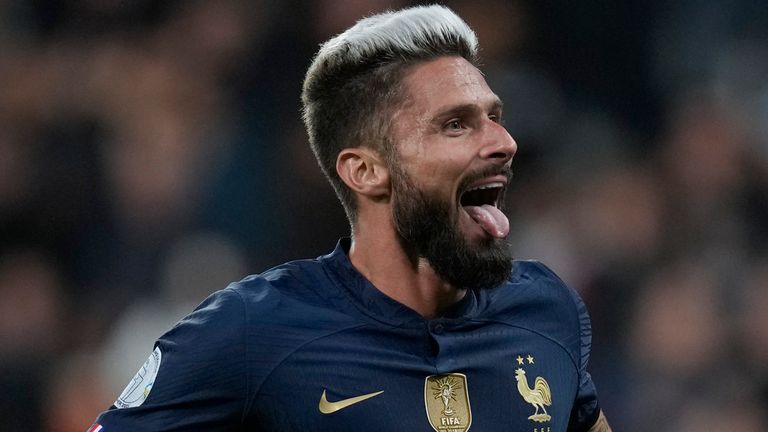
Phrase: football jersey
(311,345)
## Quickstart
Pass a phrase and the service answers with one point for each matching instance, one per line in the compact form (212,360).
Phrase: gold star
(530,359)
(519,360)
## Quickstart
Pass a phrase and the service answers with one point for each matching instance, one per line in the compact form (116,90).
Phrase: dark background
(152,151)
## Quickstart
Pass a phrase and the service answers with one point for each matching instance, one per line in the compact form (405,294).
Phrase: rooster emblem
(539,396)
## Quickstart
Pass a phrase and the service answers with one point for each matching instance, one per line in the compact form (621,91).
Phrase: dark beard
(427,230)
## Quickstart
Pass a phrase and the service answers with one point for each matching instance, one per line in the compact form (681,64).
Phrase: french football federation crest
(539,396)
(447,402)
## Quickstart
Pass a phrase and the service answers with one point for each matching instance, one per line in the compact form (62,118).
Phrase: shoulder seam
(556,342)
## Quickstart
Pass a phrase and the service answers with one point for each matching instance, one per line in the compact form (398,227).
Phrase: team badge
(539,395)
(138,389)
(446,399)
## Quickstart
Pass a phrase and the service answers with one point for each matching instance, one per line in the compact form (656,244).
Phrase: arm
(586,404)
(601,425)
(195,378)
(586,409)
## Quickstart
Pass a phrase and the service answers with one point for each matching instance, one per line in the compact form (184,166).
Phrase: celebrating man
(421,320)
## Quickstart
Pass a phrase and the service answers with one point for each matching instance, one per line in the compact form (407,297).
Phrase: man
(420,321)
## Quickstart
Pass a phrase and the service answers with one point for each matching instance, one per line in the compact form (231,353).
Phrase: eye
(454,125)
(495,118)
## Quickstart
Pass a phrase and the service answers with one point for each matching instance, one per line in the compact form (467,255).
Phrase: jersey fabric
(311,345)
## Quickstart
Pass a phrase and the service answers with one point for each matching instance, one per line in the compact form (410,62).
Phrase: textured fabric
(258,356)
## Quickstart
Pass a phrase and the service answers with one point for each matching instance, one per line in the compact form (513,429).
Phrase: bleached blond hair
(354,82)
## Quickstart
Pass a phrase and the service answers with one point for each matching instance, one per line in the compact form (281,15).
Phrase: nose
(499,145)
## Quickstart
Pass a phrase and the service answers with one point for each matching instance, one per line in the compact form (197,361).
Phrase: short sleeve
(193,380)
(585,407)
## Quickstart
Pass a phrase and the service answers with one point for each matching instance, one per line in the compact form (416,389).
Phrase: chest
(443,377)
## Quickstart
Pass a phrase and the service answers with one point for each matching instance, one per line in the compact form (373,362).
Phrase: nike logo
(331,407)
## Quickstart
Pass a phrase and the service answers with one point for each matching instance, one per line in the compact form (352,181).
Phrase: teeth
(487,186)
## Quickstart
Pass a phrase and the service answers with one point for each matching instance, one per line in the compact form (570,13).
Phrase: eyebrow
(472,108)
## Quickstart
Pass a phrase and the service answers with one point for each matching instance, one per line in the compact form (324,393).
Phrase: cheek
(436,177)
(431,173)
(444,165)
(431,163)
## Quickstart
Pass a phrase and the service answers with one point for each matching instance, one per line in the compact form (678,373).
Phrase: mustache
(505,170)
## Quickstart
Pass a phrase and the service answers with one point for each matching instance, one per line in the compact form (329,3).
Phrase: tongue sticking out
(493,221)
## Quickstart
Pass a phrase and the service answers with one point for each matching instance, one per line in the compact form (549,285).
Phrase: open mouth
(481,203)
(481,195)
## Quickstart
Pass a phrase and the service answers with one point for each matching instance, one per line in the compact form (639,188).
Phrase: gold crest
(539,396)
(446,399)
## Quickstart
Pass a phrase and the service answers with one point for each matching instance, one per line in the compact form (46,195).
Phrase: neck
(379,256)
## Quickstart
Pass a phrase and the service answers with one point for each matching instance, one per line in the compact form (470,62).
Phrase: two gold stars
(520,359)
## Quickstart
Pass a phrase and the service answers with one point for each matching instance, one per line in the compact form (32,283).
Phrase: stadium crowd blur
(152,151)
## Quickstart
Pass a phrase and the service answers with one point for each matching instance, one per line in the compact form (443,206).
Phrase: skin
(601,425)
(449,129)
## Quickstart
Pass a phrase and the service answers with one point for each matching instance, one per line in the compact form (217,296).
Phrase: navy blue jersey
(312,346)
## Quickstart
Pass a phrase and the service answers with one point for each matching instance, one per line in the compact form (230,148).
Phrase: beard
(428,228)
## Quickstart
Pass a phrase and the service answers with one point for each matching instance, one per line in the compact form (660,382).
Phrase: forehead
(446,81)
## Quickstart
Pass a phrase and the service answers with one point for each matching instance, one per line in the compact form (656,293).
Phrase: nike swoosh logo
(327,407)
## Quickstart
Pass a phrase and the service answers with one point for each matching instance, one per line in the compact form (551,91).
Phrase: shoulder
(283,300)
(290,288)
(535,298)
(533,283)
(218,356)
(290,304)
(271,315)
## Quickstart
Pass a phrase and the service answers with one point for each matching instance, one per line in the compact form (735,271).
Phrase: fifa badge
(446,399)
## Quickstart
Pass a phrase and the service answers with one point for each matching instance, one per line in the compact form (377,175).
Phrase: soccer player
(421,320)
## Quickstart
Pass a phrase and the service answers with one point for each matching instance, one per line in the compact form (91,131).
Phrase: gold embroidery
(327,407)
(539,396)
(446,399)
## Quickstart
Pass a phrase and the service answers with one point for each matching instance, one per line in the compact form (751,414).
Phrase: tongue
(493,221)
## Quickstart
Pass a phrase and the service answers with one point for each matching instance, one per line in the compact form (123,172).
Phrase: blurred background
(152,151)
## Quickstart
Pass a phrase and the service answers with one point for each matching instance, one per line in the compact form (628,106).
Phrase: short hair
(354,83)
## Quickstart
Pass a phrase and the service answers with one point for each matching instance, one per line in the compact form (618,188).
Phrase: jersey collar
(372,302)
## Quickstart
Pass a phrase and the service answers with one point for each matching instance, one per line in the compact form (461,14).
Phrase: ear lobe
(363,171)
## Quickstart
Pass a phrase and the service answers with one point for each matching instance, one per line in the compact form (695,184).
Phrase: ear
(363,171)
